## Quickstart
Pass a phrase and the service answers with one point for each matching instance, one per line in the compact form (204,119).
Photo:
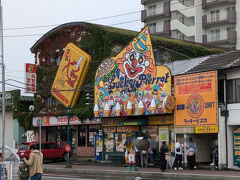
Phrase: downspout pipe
(225,114)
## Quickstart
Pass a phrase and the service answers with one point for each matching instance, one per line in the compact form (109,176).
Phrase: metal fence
(8,170)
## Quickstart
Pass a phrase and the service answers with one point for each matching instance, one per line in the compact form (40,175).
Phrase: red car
(50,150)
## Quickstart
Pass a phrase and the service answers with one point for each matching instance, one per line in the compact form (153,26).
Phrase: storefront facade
(82,134)
(196,112)
(233,123)
(132,95)
(119,130)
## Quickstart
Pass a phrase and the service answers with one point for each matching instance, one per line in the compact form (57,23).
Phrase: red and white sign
(30,136)
(68,148)
(31,78)
(61,121)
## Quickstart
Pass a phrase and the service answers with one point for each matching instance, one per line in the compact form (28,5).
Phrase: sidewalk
(152,173)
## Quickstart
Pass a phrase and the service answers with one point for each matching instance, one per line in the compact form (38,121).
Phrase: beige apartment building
(213,22)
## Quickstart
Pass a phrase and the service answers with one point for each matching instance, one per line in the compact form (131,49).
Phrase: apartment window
(231,28)
(152,27)
(215,35)
(215,15)
(152,10)
(230,8)
(233,91)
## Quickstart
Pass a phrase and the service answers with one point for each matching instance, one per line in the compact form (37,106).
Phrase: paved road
(64,177)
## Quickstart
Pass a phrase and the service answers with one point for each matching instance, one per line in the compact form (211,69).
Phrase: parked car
(50,150)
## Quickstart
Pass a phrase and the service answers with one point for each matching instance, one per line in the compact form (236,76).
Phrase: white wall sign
(30,136)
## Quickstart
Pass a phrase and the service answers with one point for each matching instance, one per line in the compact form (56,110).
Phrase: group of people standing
(144,157)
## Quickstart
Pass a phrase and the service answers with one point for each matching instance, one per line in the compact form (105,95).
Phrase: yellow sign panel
(160,120)
(206,129)
(196,99)
(131,83)
(71,74)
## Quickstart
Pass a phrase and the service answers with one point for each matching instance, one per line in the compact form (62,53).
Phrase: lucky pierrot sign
(131,83)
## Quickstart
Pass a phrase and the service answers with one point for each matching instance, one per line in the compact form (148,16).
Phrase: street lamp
(68,136)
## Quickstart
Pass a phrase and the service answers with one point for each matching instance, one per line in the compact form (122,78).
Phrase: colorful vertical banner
(31,78)
(131,83)
(196,100)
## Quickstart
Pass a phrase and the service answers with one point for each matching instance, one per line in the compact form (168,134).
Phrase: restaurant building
(133,98)
(212,83)
(48,51)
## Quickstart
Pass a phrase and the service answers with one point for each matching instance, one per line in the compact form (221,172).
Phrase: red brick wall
(85,151)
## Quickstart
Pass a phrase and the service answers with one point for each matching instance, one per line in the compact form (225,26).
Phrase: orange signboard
(131,83)
(196,99)
(71,74)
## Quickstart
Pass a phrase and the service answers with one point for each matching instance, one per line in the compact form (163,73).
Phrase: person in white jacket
(178,156)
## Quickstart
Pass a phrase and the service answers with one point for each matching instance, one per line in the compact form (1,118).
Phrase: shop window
(233,91)
(109,142)
(82,135)
(120,139)
(92,130)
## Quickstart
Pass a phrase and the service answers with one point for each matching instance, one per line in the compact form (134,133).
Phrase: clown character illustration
(106,86)
(123,102)
(137,58)
(100,103)
(132,98)
(123,96)
(140,94)
(111,97)
(117,97)
(147,98)
(155,96)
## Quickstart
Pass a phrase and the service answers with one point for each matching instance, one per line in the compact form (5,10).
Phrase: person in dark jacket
(163,151)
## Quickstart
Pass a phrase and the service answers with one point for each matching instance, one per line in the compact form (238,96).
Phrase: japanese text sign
(31,78)
(71,74)
(196,99)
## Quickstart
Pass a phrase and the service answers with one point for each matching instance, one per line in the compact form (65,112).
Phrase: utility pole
(3,84)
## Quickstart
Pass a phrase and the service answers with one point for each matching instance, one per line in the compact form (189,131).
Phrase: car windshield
(24,146)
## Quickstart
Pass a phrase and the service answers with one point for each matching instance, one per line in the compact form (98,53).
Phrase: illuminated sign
(71,74)
(131,83)
(196,99)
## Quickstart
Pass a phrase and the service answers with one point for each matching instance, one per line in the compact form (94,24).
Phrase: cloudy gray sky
(22,18)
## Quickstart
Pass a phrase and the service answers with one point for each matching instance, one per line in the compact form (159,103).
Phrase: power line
(96,19)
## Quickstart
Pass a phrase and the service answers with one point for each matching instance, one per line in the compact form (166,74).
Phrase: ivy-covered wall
(100,42)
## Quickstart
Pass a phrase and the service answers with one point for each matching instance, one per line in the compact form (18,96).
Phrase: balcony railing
(164,12)
(228,17)
(210,3)
(227,37)
(144,2)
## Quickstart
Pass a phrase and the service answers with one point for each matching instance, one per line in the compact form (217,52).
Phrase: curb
(149,175)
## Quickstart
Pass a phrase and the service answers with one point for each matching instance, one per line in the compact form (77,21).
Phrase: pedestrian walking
(191,148)
(35,163)
(163,151)
(178,156)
